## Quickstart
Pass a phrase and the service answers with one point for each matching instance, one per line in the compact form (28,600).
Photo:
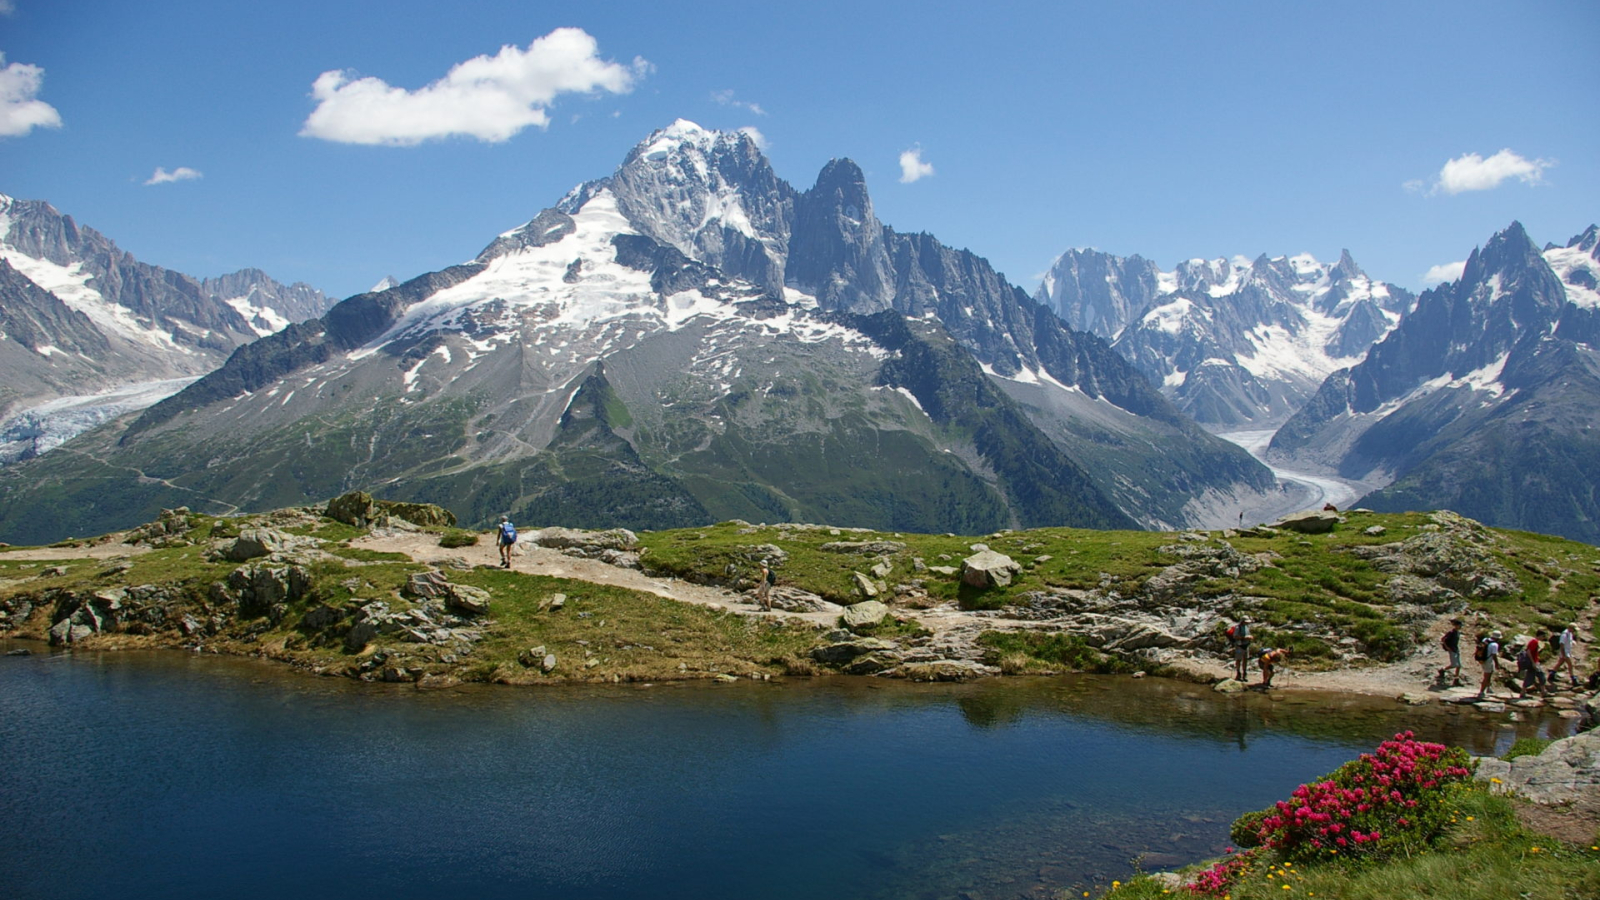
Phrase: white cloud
(912,168)
(7,7)
(20,112)
(1471,172)
(489,98)
(1449,271)
(755,135)
(725,98)
(181,173)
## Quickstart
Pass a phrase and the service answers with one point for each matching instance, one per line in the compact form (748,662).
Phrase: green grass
(1315,590)
(635,636)
(1036,653)
(1526,747)
(1486,855)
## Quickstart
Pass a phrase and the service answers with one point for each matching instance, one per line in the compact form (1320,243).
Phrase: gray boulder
(865,585)
(844,652)
(1567,768)
(572,539)
(360,635)
(793,599)
(865,548)
(253,543)
(321,617)
(258,587)
(864,614)
(429,585)
(989,569)
(467,599)
(1309,522)
(943,670)
(355,508)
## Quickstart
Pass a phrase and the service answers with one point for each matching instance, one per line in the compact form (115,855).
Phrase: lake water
(141,775)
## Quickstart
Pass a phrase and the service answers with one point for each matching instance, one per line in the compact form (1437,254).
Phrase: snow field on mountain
(1280,353)
(70,284)
(1575,267)
(535,277)
(274,320)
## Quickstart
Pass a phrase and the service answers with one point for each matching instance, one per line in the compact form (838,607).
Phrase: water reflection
(164,774)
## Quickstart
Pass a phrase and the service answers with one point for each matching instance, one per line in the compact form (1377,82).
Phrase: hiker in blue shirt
(506,538)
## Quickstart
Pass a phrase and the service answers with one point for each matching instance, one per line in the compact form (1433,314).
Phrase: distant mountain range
(1235,344)
(691,339)
(87,332)
(1485,399)
(688,340)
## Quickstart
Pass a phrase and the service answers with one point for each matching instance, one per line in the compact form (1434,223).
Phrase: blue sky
(199,137)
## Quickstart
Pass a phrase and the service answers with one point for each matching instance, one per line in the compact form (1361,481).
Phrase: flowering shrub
(1388,801)
(1382,803)
(1224,875)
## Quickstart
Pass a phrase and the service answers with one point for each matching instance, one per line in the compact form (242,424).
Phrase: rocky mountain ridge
(80,318)
(1237,344)
(1484,398)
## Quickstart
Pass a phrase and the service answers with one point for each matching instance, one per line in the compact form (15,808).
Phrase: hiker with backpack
(1269,661)
(1486,654)
(1564,644)
(1239,635)
(1528,668)
(506,537)
(764,587)
(1451,642)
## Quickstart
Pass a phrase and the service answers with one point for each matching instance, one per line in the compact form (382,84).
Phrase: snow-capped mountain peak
(709,194)
(1231,340)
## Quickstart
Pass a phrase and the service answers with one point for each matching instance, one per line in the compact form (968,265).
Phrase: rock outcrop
(358,508)
(1567,768)
(1310,522)
(864,614)
(617,546)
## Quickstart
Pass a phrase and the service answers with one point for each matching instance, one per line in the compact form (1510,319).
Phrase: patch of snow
(912,397)
(1486,378)
(1568,263)
(70,284)
(533,277)
(1170,316)
(251,313)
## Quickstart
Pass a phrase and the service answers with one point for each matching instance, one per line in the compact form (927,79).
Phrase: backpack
(772,577)
(1480,652)
(508,532)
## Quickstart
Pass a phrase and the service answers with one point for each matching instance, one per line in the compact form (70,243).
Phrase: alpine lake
(165,774)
